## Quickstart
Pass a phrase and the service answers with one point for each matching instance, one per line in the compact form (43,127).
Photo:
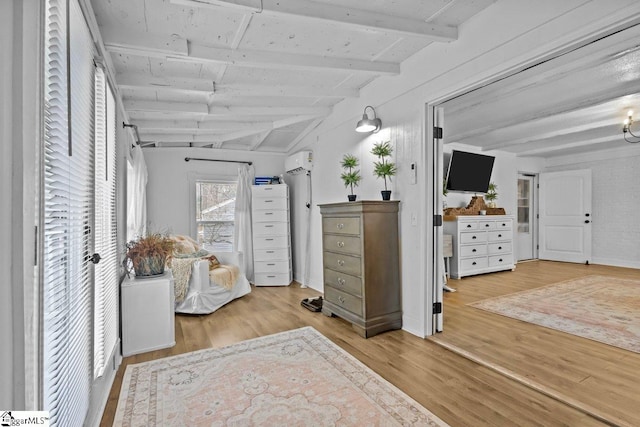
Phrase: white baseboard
(616,262)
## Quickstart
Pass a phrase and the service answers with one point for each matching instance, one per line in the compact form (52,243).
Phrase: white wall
(506,36)
(615,203)
(168,189)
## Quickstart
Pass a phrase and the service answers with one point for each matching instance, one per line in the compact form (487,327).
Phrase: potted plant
(492,195)
(352,177)
(383,168)
(148,254)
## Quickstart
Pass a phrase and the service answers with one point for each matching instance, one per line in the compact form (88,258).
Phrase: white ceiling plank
(166,124)
(259,139)
(355,18)
(302,134)
(283,60)
(178,107)
(292,121)
(235,43)
(178,137)
(232,111)
(549,147)
(119,39)
(135,80)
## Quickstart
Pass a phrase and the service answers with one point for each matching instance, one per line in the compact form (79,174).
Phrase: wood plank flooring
(601,378)
(461,392)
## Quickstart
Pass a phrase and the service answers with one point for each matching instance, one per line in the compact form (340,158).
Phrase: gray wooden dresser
(361,264)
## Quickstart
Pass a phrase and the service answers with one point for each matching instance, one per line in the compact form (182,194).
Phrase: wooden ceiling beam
(159,106)
(351,17)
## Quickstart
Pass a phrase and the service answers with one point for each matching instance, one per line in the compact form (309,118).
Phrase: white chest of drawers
(481,244)
(271,237)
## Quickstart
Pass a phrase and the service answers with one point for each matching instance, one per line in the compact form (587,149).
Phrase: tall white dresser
(481,244)
(271,235)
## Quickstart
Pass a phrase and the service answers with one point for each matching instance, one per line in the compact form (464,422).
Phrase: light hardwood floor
(598,377)
(461,392)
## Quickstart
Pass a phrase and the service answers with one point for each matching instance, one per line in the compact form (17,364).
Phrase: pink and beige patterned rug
(601,308)
(294,378)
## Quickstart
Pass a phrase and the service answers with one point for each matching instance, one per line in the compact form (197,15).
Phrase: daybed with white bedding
(203,295)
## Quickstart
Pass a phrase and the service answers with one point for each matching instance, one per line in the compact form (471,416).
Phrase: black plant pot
(386,194)
(352,197)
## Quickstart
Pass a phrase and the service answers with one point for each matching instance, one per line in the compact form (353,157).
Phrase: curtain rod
(186,159)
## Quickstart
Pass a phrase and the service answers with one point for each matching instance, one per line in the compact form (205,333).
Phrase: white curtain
(243,237)
(136,195)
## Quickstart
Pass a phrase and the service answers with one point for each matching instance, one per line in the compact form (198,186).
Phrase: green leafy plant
(149,253)
(352,177)
(383,168)
(492,193)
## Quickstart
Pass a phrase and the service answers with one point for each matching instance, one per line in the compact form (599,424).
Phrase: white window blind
(105,240)
(68,214)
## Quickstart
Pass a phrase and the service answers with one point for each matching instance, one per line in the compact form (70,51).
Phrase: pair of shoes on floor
(313,304)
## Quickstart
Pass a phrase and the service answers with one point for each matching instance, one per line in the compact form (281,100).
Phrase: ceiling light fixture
(626,128)
(367,124)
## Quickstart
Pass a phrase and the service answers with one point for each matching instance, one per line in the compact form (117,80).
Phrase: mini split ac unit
(299,162)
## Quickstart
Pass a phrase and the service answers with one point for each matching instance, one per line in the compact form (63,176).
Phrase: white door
(526,239)
(565,216)
(438,267)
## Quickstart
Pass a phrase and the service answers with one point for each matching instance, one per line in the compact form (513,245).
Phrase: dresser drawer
(272,279)
(497,260)
(496,236)
(260,191)
(270,242)
(500,248)
(271,266)
(270,228)
(270,254)
(339,243)
(344,300)
(470,225)
(270,216)
(344,282)
(266,203)
(473,263)
(343,263)
(473,250)
(486,225)
(346,225)
(477,237)
(503,225)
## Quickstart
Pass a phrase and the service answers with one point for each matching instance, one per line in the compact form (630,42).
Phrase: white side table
(147,314)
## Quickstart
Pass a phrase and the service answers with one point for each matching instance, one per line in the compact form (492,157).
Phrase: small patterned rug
(601,308)
(294,378)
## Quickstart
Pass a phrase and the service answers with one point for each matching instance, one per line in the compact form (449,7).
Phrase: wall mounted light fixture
(367,124)
(626,129)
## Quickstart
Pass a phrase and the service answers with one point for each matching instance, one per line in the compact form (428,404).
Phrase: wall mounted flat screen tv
(469,172)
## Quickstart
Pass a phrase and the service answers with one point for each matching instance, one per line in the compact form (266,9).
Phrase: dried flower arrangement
(149,253)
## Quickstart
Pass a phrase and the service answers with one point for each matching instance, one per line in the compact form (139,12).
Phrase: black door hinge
(437,220)
(437,132)
(437,307)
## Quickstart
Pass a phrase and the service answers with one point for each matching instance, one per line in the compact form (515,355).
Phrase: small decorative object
(383,168)
(148,254)
(492,195)
(353,177)
(483,212)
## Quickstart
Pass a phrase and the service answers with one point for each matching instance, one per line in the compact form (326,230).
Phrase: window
(215,214)
(524,208)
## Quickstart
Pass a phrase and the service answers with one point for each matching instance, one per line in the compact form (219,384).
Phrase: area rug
(294,378)
(601,308)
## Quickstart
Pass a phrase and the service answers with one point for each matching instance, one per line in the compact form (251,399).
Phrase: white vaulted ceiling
(569,104)
(259,74)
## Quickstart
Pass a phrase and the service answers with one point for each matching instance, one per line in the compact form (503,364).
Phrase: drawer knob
(340,262)
(499,247)
(268,226)
(474,237)
(499,235)
(341,299)
(473,263)
(468,225)
(341,281)
(268,201)
(474,250)
(268,213)
(271,264)
(486,225)
(341,244)
(340,226)
(270,252)
(500,260)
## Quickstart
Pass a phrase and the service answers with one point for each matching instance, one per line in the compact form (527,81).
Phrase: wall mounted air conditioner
(300,162)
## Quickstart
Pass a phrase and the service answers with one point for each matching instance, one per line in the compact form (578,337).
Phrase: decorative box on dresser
(271,237)
(361,265)
(481,244)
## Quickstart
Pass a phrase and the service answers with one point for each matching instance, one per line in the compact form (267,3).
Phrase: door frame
(533,211)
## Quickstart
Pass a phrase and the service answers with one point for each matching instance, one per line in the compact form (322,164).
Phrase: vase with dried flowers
(149,253)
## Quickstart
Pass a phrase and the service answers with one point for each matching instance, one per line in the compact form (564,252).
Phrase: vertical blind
(105,240)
